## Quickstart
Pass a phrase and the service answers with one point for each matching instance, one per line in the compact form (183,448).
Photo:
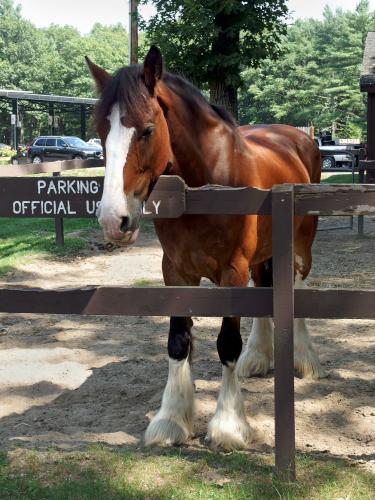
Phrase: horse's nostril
(124,224)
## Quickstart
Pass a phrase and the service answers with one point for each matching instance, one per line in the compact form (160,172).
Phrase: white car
(95,142)
(331,159)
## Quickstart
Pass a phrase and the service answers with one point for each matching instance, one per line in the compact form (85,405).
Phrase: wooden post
(59,224)
(133,32)
(283,315)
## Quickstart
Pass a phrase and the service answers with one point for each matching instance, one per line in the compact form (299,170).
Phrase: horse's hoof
(166,432)
(228,432)
(253,363)
(307,365)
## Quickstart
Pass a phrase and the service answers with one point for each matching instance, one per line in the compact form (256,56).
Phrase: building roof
(30,96)
(367,80)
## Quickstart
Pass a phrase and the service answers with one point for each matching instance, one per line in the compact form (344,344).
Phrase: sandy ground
(67,381)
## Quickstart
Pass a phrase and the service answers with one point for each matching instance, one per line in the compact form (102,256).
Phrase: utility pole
(133,31)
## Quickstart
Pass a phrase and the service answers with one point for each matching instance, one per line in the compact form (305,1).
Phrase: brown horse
(152,123)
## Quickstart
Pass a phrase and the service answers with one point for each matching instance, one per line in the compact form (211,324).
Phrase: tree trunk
(224,80)
(225,96)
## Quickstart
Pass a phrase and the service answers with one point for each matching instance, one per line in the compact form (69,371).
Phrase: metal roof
(367,80)
(30,96)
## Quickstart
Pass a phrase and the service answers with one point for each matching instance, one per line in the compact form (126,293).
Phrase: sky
(83,14)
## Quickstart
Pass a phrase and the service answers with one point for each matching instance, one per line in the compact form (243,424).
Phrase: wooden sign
(50,196)
(80,197)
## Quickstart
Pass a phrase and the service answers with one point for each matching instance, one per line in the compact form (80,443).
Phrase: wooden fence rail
(170,199)
(185,301)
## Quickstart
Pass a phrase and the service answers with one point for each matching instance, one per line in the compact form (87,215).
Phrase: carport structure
(53,103)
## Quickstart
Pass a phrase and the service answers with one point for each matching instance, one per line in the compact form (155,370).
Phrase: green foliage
(210,41)
(51,61)
(187,31)
(316,79)
(5,152)
(352,130)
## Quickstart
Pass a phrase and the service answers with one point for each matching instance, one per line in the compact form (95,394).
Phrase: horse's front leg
(229,428)
(173,424)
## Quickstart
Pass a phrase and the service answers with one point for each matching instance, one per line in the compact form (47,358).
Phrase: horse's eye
(147,132)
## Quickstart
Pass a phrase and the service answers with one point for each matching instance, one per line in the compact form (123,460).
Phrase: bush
(7,152)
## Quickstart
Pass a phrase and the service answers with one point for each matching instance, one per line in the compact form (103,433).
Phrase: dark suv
(52,148)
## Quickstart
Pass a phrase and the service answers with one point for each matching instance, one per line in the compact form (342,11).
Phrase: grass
(84,172)
(145,282)
(339,178)
(21,239)
(178,473)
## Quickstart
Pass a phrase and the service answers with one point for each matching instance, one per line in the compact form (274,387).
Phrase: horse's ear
(152,68)
(100,75)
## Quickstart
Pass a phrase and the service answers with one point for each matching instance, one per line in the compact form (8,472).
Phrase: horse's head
(135,139)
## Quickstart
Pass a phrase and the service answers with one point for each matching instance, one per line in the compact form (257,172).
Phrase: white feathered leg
(257,357)
(173,424)
(306,361)
(228,428)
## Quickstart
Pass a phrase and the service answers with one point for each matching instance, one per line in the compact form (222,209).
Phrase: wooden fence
(170,199)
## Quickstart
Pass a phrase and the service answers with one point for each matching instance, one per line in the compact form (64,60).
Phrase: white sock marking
(306,360)
(173,422)
(228,428)
(257,357)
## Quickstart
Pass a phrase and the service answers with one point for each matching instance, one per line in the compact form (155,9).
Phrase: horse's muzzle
(119,237)
(120,229)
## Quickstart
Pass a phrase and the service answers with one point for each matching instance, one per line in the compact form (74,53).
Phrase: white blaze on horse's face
(115,215)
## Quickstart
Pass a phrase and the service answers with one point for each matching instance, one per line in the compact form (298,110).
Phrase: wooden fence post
(59,223)
(283,315)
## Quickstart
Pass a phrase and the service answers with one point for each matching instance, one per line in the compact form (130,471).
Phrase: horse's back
(286,142)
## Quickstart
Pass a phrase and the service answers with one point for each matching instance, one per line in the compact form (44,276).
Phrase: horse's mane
(128,89)
(194,98)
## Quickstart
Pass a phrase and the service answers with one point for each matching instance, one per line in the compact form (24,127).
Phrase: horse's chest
(202,244)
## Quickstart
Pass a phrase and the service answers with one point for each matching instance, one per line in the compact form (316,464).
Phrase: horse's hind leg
(257,357)
(173,424)
(228,428)
(306,361)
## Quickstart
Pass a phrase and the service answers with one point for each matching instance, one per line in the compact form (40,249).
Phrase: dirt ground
(67,381)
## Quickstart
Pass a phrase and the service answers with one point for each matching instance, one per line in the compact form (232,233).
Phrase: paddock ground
(67,382)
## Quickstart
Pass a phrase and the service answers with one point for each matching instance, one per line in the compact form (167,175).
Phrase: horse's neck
(205,148)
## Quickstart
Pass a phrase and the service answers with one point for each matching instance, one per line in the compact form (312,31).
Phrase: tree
(210,41)
(23,51)
(7,8)
(316,79)
(51,61)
